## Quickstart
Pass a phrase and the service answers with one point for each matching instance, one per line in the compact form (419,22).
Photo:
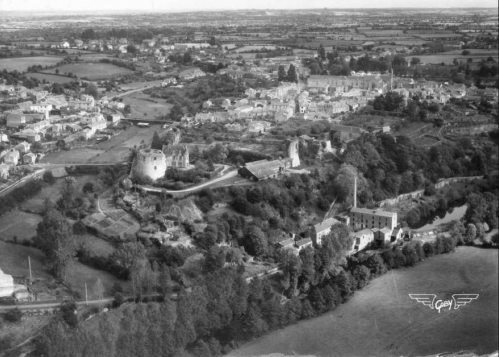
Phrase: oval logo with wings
(458,300)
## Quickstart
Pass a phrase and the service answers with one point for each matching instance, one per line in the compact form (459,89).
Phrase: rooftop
(376,212)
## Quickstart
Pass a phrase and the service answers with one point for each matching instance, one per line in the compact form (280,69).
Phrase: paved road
(136,90)
(52,305)
(22,181)
(194,188)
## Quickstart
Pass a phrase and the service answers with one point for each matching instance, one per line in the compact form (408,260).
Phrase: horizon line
(149,11)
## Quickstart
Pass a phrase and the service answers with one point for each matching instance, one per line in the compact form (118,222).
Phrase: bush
(14,315)
(68,313)
(48,177)
(118,299)
(6,343)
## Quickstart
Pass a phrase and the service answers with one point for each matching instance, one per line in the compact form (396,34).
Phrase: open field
(118,147)
(76,156)
(449,58)
(382,320)
(52,78)
(142,107)
(92,71)
(114,150)
(253,48)
(95,245)
(21,64)
(372,33)
(20,224)
(474,52)
(14,261)
(53,192)
(243,55)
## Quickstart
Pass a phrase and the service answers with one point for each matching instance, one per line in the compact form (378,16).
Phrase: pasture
(96,246)
(114,150)
(75,156)
(37,203)
(449,58)
(254,48)
(92,71)
(51,78)
(382,320)
(20,224)
(21,64)
(118,147)
(142,107)
(14,261)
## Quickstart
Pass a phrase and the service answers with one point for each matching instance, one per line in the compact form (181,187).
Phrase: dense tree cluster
(222,310)
(394,166)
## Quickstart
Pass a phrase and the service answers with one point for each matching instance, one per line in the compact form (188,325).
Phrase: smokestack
(355,192)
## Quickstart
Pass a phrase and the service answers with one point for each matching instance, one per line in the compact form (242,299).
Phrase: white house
(11,157)
(4,171)
(23,147)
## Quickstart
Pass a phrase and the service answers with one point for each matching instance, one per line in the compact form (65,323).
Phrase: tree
(68,195)
(99,289)
(362,274)
(54,235)
(68,312)
(187,58)
(415,61)
(157,143)
(281,73)
(48,177)
(92,90)
(14,315)
(88,187)
(322,52)
(255,241)
(131,49)
(292,76)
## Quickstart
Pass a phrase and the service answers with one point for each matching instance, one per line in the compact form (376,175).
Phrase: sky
(192,5)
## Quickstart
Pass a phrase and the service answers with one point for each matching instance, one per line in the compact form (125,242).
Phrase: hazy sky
(176,5)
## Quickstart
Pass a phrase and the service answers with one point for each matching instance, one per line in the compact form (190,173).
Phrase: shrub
(13,315)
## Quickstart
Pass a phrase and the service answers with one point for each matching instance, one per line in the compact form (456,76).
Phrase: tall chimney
(355,192)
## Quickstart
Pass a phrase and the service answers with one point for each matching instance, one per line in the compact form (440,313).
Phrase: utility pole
(29,263)
(86,295)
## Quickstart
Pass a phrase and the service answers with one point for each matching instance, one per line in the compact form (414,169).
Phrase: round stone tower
(150,162)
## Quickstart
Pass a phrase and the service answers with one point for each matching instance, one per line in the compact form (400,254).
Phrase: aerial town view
(233,179)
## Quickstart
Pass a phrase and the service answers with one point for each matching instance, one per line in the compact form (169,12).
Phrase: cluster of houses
(12,157)
(46,118)
(368,227)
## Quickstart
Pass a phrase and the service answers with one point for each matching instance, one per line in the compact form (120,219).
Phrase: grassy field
(36,204)
(382,320)
(114,150)
(252,48)
(143,108)
(118,148)
(92,71)
(76,156)
(20,224)
(52,78)
(21,64)
(14,261)
(96,246)
(449,58)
